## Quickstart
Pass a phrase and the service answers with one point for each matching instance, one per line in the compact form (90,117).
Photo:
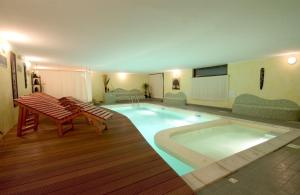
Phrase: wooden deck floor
(119,161)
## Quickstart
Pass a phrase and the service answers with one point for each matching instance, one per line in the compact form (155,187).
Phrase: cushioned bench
(251,105)
(175,99)
(122,95)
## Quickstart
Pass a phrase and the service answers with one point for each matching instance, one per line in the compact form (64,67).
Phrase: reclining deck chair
(94,115)
(31,107)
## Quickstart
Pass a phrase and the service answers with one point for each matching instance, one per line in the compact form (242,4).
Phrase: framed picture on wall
(25,75)
(3,61)
(14,79)
(176,84)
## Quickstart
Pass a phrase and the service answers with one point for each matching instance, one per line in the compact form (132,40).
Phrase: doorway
(156,82)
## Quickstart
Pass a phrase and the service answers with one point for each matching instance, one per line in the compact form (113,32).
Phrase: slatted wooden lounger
(54,100)
(46,97)
(30,105)
(94,115)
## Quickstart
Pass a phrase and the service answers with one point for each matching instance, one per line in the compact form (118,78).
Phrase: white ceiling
(151,35)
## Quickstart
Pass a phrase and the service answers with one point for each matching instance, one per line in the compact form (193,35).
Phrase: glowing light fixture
(292,60)
(5,46)
(176,73)
(122,75)
(27,64)
(14,37)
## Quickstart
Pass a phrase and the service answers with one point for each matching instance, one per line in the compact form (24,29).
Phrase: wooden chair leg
(105,125)
(100,126)
(20,121)
(72,124)
(36,122)
(60,129)
(89,121)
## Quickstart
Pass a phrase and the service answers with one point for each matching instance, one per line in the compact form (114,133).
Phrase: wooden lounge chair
(53,100)
(30,108)
(45,96)
(95,115)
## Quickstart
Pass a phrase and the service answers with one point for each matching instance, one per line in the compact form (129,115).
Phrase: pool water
(150,119)
(222,141)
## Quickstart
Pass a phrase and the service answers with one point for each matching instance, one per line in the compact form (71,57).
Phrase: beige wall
(125,81)
(9,114)
(97,86)
(282,81)
(129,81)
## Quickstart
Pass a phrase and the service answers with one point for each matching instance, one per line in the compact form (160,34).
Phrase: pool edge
(209,171)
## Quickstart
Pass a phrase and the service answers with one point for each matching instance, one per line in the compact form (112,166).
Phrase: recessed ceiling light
(292,60)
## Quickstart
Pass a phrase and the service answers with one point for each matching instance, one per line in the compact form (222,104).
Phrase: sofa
(120,94)
(251,105)
(175,99)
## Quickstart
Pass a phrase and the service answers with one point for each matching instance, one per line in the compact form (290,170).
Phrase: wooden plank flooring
(119,161)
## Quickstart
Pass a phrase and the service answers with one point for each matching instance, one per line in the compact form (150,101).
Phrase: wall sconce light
(292,60)
(14,37)
(28,64)
(5,46)
(122,75)
(176,73)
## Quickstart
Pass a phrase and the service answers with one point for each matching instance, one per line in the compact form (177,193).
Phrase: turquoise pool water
(150,119)
(222,141)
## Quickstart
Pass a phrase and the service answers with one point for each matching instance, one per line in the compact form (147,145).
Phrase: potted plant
(105,82)
(146,89)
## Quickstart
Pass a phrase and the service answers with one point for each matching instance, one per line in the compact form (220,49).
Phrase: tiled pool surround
(208,170)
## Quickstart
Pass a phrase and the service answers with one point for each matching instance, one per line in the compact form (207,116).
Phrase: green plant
(146,88)
(106,82)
